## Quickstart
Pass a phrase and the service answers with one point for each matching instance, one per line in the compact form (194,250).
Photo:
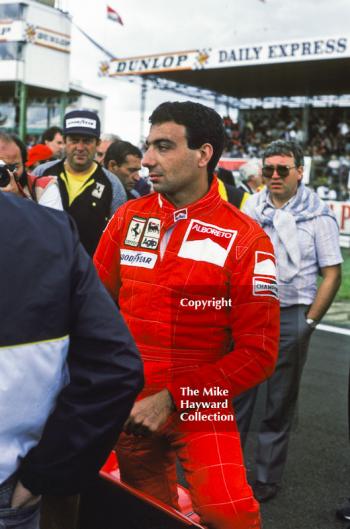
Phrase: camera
(4,173)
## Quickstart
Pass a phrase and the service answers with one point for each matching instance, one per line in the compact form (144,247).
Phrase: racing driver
(159,255)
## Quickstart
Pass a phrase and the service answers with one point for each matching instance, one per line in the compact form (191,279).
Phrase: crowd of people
(180,243)
(325,138)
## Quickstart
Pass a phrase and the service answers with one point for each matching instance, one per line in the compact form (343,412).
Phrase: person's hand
(22,497)
(149,414)
(12,186)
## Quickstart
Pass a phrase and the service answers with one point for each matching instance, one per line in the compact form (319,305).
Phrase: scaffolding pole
(22,124)
(143,109)
(63,106)
(306,118)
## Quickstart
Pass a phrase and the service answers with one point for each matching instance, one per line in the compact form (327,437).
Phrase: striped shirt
(319,247)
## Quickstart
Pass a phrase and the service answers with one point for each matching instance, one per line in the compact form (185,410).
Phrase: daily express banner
(277,52)
(266,53)
(20,31)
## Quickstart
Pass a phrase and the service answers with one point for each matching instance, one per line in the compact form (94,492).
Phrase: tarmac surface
(339,314)
(317,476)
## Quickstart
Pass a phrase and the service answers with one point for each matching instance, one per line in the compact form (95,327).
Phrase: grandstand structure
(301,75)
(35,91)
(296,89)
(293,89)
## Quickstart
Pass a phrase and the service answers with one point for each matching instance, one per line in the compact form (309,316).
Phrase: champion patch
(98,190)
(264,264)
(265,286)
(135,231)
(207,242)
(140,259)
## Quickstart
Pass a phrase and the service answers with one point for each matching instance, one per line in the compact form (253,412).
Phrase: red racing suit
(197,289)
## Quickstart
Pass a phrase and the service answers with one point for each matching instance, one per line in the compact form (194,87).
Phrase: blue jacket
(69,369)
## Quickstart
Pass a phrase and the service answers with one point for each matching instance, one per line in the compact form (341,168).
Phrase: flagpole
(101,48)
(93,41)
(143,108)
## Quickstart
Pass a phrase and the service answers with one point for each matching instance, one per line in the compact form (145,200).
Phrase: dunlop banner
(295,50)
(20,31)
(162,62)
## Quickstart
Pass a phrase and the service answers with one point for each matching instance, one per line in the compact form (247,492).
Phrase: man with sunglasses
(305,237)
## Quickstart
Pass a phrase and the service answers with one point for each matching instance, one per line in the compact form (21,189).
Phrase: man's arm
(329,261)
(105,377)
(330,283)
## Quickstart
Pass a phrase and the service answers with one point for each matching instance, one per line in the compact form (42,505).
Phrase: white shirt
(318,240)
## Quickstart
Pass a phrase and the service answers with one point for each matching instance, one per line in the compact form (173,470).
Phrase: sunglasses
(281,170)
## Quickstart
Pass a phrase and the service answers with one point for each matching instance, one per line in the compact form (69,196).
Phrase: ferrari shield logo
(135,230)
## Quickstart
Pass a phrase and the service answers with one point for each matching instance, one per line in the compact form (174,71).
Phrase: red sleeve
(107,255)
(255,325)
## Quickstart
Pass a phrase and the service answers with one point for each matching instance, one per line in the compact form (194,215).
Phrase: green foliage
(344,291)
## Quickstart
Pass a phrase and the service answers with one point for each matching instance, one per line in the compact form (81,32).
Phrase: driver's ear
(205,153)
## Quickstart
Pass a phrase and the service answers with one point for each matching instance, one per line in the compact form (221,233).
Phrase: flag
(113,15)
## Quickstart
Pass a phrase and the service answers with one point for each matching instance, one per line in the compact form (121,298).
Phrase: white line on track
(332,328)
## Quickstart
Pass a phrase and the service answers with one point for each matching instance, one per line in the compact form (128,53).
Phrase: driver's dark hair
(203,125)
(284,148)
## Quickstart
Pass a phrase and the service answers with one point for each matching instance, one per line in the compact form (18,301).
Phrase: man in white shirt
(305,237)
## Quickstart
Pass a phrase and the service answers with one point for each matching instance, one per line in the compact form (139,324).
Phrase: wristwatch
(312,323)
